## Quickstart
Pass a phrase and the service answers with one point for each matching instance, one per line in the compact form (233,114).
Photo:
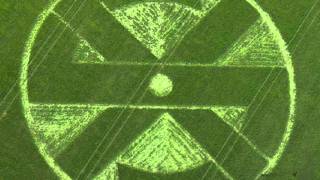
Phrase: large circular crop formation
(168,89)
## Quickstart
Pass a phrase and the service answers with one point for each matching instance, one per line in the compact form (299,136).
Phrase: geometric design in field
(160,85)
(109,173)
(58,125)
(158,25)
(257,47)
(85,53)
(231,115)
(124,3)
(164,148)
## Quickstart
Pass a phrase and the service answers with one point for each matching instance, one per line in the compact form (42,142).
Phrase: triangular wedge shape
(164,148)
(255,48)
(58,125)
(160,25)
(109,173)
(232,115)
(86,54)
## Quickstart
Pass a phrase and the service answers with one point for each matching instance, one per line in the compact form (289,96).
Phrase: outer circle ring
(265,16)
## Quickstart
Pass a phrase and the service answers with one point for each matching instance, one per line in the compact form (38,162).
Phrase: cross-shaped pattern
(119,104)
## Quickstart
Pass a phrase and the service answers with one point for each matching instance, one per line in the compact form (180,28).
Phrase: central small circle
(160,85)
